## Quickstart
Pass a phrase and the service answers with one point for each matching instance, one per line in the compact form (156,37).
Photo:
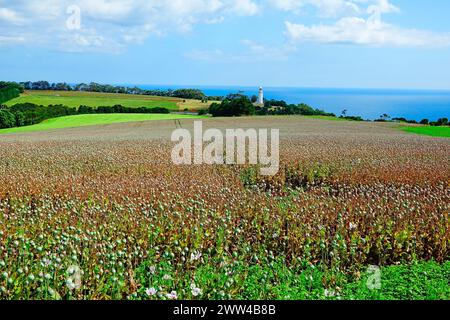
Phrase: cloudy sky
(309,43)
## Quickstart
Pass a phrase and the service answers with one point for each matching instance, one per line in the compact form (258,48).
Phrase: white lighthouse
(260,96)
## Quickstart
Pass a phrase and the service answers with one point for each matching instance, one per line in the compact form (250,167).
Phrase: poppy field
(104,214)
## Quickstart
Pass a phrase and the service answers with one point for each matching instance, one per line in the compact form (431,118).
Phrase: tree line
(239,105)
(106,88)
(25,114)
(9,91)
(438,123)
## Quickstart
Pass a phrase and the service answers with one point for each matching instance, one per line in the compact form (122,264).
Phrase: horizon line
(194,86)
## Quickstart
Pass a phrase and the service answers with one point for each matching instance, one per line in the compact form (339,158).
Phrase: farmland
(74,99)
(101,213)
(428,130)
(92,120)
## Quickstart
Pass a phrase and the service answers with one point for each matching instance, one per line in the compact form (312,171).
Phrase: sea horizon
(369,103)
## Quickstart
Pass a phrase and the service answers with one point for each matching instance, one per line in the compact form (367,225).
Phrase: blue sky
(307,43)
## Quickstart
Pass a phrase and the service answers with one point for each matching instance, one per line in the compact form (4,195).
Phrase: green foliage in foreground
(420,281)
(91,120)
(428,130)
(424,281)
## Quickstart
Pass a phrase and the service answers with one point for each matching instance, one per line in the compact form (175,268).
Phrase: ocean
(367,103)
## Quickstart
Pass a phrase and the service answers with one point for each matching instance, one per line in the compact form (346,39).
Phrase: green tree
(20,119)
(7,119)
(234,105)
(9,92)
(442,122)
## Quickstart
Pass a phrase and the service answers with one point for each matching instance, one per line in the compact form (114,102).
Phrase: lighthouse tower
(260,96)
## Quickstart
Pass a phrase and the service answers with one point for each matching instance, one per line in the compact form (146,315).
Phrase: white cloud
(259,51)
(245,7)
(382,6)
(336,8)
(11,40)
(251,52)
(359,31)
(110,25)
(9,16)
(366,29)
(325,8)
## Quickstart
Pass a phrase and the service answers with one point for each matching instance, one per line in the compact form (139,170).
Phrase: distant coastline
(367,103)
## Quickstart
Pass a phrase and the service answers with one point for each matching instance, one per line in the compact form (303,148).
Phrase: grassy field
(92,120)
(93,99)
(193,105)
(103,213)
(428,130)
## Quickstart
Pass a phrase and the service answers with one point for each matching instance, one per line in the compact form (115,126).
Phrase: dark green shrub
(7,119)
